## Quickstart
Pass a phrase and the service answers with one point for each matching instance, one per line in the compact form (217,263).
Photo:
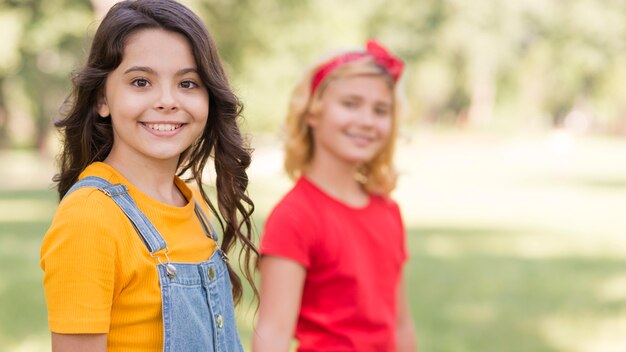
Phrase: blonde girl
(333,249)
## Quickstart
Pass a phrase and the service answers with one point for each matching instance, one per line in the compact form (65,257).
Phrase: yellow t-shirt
(99,276)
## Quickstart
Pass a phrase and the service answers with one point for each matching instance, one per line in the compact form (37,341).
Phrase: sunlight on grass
(441,246)
(613,290)
(586,334)
(555,190)
(36,343)
(27,170)
(472,313)
(530,245)
(26,210)
(11,245)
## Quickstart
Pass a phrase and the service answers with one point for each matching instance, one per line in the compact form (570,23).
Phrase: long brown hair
(88,138)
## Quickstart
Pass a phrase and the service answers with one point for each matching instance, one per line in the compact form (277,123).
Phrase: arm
(405,333)
(79,342)
(79,273)
(282,281)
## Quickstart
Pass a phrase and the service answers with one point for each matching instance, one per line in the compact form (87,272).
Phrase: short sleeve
(289,233)
(403,242)
(78,257)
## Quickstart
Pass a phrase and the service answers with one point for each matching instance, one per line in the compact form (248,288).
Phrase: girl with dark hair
(131,261)
(333,248)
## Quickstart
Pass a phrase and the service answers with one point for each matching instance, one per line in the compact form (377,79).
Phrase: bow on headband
(392,64)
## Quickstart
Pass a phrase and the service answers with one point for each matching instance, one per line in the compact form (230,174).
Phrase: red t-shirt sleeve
(289,233)
(404,249)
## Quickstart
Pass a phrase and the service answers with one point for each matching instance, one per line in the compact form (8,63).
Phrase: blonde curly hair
(377,175)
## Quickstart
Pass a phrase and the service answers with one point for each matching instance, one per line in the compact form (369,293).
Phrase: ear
(103,106)
(311,120)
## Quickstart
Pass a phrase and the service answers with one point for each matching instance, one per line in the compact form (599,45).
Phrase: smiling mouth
(163,127)
(368,139)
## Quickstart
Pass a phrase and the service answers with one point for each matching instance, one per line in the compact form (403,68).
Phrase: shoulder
(296,217)
(85,213)
(87,201)
(291,228)
(385,209)
(385,201)
(102,170)
(87,224)
(296,205)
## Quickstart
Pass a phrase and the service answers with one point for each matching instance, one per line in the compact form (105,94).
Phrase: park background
(512,156)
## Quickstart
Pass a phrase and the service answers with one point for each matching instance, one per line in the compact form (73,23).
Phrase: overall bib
(197,302)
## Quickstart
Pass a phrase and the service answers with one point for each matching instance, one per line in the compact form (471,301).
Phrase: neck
(338,181)
(155,178)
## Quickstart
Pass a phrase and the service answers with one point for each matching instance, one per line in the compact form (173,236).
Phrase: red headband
(390,63)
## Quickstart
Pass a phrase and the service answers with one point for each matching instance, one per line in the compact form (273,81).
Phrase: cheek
(200,109)
(339,118)
(205,103)
(384,127)
(203,115)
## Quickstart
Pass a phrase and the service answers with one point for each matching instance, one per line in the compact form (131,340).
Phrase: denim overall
(198,310)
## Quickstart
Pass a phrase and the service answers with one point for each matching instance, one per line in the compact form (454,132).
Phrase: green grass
(516,243)
(22,302)
(491,302)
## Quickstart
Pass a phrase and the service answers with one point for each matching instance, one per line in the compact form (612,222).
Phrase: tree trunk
(4,118)
(482,99)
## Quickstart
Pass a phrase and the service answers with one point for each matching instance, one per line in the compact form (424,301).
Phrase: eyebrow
(151,71)
(353,96)
(359,97)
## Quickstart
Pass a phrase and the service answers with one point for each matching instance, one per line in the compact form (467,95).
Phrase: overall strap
(206,224)
(210,231)
(119,193)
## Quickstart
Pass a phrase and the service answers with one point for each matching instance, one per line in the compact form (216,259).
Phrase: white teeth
(163,126)
(368,138)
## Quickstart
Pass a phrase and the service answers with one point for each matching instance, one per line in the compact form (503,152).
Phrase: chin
(165,156)
(357,161)
(361,158)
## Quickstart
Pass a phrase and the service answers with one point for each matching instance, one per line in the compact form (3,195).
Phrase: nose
(368,117)
(166,101)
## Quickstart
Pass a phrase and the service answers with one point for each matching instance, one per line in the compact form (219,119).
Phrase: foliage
(482,63)
(46,38)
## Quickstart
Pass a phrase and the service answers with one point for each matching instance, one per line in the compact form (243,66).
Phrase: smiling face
(355,120)
(156,100)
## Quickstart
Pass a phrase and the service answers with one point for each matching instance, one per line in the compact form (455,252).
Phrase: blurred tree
(550,54)
(50,36)
(479,63)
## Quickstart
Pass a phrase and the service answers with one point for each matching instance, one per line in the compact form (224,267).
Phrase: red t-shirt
(353,258)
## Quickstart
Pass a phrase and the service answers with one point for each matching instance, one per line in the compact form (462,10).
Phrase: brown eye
(188,84)
(140,82)
(382,111)
(351,104)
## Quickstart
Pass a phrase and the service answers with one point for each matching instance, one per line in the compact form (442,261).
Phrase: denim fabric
(197,303)
(198,312)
